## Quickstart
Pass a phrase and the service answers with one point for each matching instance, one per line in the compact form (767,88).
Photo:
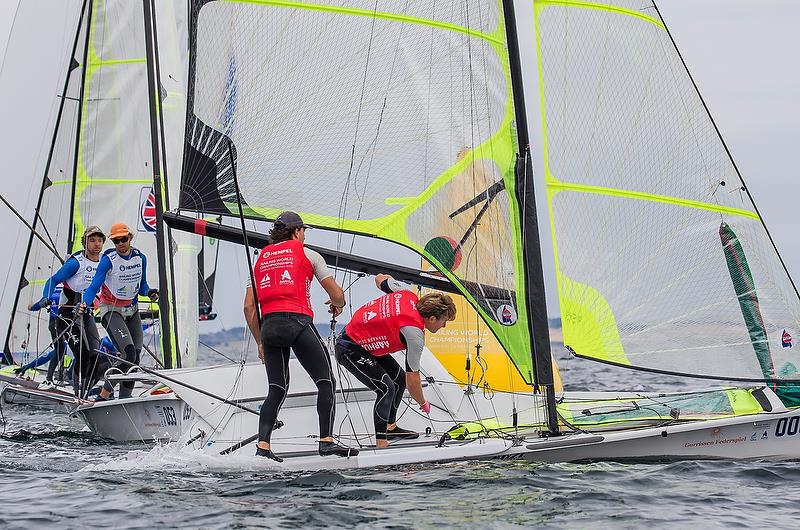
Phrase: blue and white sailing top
(54,298)
(75,275)
(119,279)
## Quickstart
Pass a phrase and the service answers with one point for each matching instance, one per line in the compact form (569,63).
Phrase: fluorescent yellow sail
(638,182)
(411,138)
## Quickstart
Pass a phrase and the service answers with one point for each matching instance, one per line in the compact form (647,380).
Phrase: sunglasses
(120,240)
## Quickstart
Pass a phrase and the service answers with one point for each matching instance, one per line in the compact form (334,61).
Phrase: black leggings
(57,325)
(382,374)
(88,364)
(126,333)
(281,332)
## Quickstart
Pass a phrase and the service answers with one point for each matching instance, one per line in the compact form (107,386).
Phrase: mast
(71,234)
(73,64)
(536,304)
(168,341)
(165,207)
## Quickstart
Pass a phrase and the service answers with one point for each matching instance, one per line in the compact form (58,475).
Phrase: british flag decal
(147,210)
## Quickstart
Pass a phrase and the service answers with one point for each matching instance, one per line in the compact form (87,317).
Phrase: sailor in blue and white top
(63,292)
(121,277)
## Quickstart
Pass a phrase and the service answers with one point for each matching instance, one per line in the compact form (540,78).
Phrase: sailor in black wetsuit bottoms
(388,324)
(76,274)
(120,279)
(283,274)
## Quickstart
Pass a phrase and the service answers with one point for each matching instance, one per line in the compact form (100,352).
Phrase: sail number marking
(169,416)
(787,426)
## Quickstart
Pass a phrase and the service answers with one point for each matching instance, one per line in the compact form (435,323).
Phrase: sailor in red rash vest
(283,273)
(388,324)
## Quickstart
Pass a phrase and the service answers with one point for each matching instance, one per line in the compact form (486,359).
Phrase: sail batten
(372,13)
(554,185)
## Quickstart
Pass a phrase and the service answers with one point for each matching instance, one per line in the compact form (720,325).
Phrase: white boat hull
(54,400)
(151,418)
(215,426)
(19,391)
(484,449)
(764,435)
(750,437)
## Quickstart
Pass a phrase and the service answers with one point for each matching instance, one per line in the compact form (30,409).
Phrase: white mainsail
(101,170)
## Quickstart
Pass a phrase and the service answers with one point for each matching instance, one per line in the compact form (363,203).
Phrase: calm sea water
(53,473)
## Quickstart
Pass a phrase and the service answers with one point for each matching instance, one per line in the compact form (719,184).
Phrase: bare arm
(414,387)
(251,316)
(336,300)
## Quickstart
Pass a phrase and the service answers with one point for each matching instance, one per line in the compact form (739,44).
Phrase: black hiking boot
(332,448)
(398,433)
(268,454)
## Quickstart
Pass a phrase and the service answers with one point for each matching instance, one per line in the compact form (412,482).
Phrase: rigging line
(428,104)
(372,145)
(332,343)
(244,231)
(216,351)
(31,229)
(38,215)
(343,200)
(177,382)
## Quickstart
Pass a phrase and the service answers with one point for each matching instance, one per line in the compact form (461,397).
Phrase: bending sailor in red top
(283,273)
(388,324)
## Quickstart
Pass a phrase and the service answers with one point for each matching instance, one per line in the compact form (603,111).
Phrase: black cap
(290,220)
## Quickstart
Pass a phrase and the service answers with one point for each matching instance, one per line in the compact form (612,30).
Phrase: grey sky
(742,55)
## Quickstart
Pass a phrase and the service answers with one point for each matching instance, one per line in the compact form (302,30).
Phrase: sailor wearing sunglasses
(120,279)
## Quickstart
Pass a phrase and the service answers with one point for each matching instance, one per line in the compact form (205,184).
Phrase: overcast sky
(742,55)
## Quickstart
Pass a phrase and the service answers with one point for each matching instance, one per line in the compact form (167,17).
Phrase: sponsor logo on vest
(369,315)
(267,253)
(506,314)
(123,267)
(286,277)
(265,281)
(397,298)
(375,344)
(786,339)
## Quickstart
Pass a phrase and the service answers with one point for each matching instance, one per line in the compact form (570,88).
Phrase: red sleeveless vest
(376,325)
(283,277)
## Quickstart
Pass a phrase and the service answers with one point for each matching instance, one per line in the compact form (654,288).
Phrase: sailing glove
(153,294)
(425,407)
(44,303)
